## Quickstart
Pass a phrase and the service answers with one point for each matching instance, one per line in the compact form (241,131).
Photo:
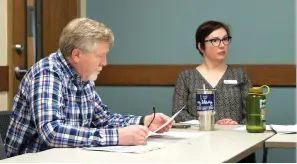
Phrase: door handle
(19,48)
(19,72)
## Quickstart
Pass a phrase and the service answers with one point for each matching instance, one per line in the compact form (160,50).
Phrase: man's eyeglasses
(216,41)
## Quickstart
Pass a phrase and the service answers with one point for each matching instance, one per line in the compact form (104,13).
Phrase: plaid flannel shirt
(53,107)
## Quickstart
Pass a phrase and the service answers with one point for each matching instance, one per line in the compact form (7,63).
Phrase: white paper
(230,81)
(284,128)
(242,128)
(191,122)
(177,135)
(155,141)
(169,120)
(127,149)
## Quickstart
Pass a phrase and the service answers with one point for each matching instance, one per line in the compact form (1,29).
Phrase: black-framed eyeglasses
(216,41)
(154,110)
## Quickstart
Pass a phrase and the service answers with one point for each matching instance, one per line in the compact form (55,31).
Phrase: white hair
(83,34)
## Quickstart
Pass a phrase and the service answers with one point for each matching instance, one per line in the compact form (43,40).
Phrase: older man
(57,105)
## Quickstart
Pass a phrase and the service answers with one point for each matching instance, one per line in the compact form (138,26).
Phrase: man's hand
(227,121)
(158,121)
(133,135)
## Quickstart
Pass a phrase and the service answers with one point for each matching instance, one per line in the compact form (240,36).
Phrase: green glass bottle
(256,110)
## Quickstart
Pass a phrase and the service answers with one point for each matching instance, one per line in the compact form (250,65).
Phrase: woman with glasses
(212,42)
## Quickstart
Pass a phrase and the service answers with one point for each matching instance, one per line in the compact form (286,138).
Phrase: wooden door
(55,16)
(36,27)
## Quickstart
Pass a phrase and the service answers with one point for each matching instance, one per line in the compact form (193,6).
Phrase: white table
(282,141)
(221,145)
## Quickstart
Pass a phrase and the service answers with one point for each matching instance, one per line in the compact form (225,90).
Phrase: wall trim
(165,75)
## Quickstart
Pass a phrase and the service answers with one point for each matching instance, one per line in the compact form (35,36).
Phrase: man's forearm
(67,136)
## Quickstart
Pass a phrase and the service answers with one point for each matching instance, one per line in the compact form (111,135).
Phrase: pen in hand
(154,110)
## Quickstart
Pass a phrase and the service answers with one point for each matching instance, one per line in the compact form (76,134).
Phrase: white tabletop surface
(221,145)
(281,140)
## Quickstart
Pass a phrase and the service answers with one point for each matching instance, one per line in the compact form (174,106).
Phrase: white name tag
(230,81)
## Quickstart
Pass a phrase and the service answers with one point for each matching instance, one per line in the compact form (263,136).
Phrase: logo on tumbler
(205,102)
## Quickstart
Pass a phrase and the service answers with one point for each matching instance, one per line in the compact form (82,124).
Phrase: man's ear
(76,55)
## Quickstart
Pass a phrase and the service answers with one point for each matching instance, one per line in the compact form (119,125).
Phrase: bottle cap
(259,90)
(256,90)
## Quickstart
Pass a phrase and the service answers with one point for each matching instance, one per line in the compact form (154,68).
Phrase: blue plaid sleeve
(104,118)
(49,116)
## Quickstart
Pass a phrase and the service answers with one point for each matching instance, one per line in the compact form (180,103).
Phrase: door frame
(9,51)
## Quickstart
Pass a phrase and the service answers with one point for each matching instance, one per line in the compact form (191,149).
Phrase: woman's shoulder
(237,70)
(239,73)
(187,73)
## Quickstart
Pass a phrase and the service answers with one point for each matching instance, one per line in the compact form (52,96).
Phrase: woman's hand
(227,121)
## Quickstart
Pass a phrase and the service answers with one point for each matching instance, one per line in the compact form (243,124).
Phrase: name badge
(230,81)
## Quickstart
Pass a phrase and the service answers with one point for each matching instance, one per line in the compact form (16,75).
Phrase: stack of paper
(127,149)
(276,128)
(284,128)
(155,141)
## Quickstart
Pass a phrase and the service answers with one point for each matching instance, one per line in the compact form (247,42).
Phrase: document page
(169,120)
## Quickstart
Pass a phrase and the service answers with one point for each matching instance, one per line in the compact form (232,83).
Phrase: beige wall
(3,33)
(3,48)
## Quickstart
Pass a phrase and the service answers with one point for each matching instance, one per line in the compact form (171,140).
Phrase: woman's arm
(244,89)
(180,98)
